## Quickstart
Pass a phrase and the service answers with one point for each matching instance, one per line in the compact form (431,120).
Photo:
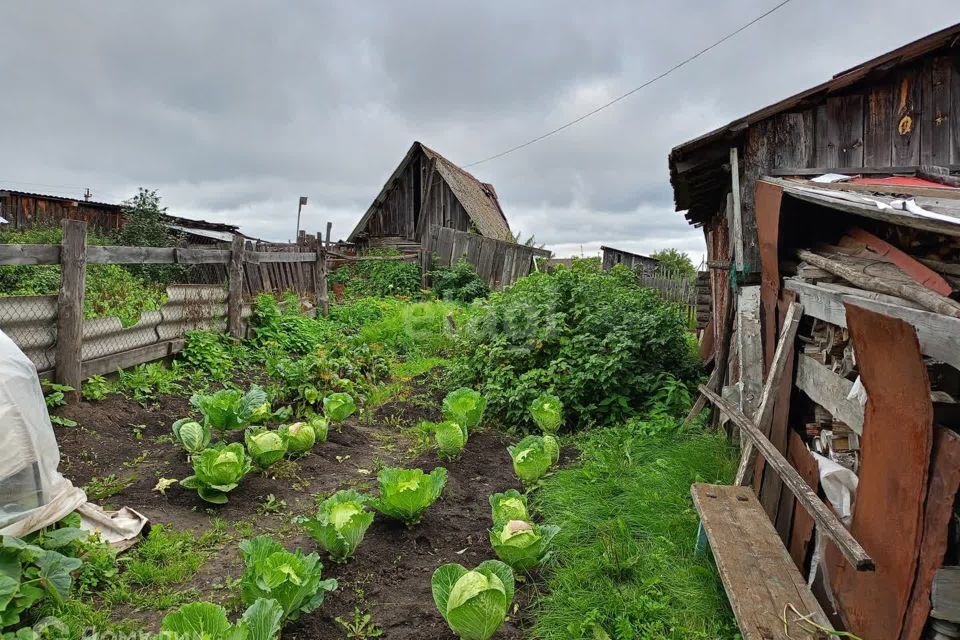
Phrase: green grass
(411,329)
(624,558)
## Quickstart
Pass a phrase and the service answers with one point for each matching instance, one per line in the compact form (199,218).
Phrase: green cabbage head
(405,494)
(547,412)
(474,603)
(532,458)
(338,407)
(208,621)
(229,409)
(340,523)
(217,471)
(521,544)
(552,445)
(192,435)
(321,427)
(291,578)
(451,438)
(265,446)
(509,505)
(299,436)
(465,407)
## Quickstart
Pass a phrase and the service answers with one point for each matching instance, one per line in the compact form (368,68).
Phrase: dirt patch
(390,575)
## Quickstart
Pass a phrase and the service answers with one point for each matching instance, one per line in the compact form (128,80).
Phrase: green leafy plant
(265,446)
(210,353)
(193,436)
(362,625)
(149,381)
(521,544)
(95,388)
(56,396)
(337,407)
(29,574)
(291,578)
(299,437)
(506,506)
(103,487)
(451,438)
(532,457)
(262,620)
(229,409)
(547,412)
(321,428)
(459,283)
(465,407)
(217,471)
(340,523)
(405,494)
(475,602)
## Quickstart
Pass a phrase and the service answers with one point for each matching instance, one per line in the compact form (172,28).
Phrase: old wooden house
(23,210)
(432,207)
(635,261)
(832,224)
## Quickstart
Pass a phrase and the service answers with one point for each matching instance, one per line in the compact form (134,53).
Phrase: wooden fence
(498,262)
(692,295)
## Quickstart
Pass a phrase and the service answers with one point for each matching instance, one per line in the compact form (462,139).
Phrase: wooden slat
(829,391)
(757,572)
(907,101)
(203,256)
(131,358)
(828,522)
(29,254)
(131,255)
(235,288)
(879,127)
(735,212)
(935,135)
(845,126)
(263,257)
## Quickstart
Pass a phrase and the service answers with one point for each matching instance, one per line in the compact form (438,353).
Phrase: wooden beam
(29,254)
(131,255)
(203,256)
(736,215)
(939,335)
(264,257)
(907,170)
(235,288)
(131,357)
(425,201)
(830,391)
(828,522)
(778,367)
(73,272)
(749,349)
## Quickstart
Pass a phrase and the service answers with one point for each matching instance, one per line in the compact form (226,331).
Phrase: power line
(634,90)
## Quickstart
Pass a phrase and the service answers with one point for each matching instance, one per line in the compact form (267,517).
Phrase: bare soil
(390,575)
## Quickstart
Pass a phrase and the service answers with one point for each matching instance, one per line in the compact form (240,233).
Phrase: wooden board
(945,595)
(906,108)
(879,126)
(802,525)
(757,572)
(132,357)
(829,390)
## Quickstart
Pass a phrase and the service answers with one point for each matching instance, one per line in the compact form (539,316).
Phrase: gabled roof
(479,199)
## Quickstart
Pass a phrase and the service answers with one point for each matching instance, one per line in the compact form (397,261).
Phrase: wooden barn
(23,210)
(432,207)
(832,223)
(635,261)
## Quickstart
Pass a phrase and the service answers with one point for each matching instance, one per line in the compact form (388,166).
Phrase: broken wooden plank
(829,391)
(945,595)
(733,204)
(921,273)
(757,572)
(939,335)
(826,519)
(765,413)
(749,349)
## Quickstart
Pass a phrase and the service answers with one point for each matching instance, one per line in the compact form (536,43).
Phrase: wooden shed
(23,210)
(635,261)
(832,222)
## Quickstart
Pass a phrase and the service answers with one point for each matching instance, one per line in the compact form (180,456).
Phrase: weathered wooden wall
(498,262)
(612,257)
(24,211)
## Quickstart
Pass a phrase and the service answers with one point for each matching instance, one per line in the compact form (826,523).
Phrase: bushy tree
(676,262)
(144,226)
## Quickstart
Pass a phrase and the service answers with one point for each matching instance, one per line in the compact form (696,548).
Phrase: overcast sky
(232,110)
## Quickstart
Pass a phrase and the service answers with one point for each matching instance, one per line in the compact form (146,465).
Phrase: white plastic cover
(33,494)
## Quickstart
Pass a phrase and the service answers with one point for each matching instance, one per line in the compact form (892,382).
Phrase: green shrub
(594,339)
(459,283)
(380,277)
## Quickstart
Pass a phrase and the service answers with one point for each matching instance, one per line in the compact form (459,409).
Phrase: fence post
(73,269)
(235,287)
(320,273)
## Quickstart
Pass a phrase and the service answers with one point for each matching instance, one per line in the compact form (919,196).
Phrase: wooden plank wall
(23,211)
(612,257)
(280,277)
(499,263)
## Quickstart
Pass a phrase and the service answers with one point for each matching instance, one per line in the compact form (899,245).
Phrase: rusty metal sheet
(767,204)
(801,530)
(942,489)
(887,518)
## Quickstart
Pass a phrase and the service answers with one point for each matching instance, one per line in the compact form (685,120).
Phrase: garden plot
(122,449)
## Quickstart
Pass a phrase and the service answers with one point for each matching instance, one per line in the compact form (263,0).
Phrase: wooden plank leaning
(764,414)
(720,363)
(826,520)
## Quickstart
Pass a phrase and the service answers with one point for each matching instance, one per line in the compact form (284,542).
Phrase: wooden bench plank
(757,572)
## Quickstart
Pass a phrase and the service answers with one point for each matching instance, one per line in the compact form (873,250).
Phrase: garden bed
(128,443)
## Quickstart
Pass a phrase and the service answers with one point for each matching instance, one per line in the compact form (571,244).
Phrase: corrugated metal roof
(479,199)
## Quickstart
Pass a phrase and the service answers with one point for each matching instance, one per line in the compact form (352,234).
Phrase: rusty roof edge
(844,79)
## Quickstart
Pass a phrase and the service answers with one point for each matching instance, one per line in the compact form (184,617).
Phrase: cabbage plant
(552,445)
(229,409)
(340,523)
(465,407)
(217,471)
(474,602)
(193,436)
(522,545)
(291,578)
(532,457)
(405,494)
(204,620)
(509,505)
(321,427)
(299,436)
(264,445)
(337,407)
(547,412)
(451,438)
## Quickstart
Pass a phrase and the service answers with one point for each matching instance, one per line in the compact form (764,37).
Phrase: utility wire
(634,90)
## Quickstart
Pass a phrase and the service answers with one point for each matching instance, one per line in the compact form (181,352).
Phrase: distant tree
(144,226)
(676,261)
